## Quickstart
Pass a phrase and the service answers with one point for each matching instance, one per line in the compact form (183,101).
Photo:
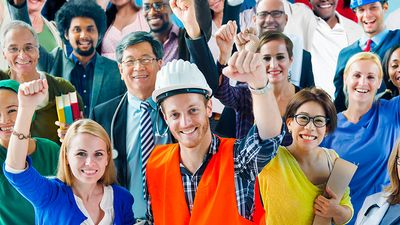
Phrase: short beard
(85,53)
(163,28)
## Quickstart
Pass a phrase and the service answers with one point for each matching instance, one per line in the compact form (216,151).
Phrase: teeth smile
(89,172)
(307,137)
(188,131)
(140,76)
(361,90)
(6,128)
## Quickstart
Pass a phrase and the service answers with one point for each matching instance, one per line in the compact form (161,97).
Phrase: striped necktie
(146,138)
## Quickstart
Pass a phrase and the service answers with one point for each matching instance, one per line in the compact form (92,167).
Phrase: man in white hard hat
(204,179)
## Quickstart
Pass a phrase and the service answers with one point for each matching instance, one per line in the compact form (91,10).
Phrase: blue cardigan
(392,38)
(54,201)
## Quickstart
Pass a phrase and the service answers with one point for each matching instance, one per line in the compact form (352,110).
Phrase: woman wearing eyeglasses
(368,129)
(291,185)
(384,207)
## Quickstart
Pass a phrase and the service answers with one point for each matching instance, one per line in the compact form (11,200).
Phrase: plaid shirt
(251,155)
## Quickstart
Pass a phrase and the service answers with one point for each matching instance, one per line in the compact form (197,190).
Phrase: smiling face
(394,68)
(139,79)
(187,116)
(87,158)
(157,17)
(269,23)
(20,50)
(371,17)
(276,60)
(324,8)
(83,36)
(8,114)
(308,136)
(362,81)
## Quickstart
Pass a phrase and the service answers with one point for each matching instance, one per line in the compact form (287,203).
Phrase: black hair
(136,38)
(78,8)
(385,64)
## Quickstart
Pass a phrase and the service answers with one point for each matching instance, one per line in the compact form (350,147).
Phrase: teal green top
(14,208)
(46,39)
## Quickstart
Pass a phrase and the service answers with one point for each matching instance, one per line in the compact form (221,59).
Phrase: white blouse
(106,205)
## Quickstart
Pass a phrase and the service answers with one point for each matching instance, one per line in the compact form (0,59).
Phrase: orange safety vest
(215,201)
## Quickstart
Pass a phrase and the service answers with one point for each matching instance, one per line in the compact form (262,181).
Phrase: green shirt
(46,39)
(14,208)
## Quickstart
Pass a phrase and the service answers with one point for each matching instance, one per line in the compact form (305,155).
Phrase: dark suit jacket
(103,114)
(307,76)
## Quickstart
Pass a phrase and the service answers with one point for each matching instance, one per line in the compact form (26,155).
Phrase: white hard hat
(179,77)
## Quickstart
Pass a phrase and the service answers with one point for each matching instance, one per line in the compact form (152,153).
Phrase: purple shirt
(171,45)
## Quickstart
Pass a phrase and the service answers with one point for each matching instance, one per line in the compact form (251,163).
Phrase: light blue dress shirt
(376,40)
(133,149)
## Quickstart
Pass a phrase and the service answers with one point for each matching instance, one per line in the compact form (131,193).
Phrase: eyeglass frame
(24,49)
(264,14)
(152,6)
(311,118)
(141,61)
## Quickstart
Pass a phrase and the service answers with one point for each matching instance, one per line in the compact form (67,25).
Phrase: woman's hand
(32,93)
(330,208)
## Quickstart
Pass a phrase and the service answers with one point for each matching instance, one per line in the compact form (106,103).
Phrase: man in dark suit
(139,57)
(82,25)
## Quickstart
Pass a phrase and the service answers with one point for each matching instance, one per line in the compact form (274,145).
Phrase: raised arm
(30,94)
(246,66)
(196,41)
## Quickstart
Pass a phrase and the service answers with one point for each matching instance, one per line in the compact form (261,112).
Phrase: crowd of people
(228,116)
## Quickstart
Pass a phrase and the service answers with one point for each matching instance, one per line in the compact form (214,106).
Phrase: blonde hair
(90,127)
(393,188)
(361,56)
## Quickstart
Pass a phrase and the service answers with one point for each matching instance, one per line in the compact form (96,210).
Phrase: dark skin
(322,9)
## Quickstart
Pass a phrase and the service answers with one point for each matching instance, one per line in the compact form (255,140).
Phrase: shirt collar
(76,61)
(135,102)
(174,31)
(377,39)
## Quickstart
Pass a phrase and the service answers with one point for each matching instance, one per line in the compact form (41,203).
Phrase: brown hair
(393,188)
(269,36)
(313,95)
(90,127)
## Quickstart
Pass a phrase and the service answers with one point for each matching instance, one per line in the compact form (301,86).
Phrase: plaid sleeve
(251,154)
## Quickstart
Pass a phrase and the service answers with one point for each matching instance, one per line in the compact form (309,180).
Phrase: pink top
(113,36)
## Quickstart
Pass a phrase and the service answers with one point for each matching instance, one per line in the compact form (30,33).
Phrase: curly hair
(89,9)
(385,65)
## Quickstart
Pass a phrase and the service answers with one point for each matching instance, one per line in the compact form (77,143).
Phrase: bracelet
(21,136)
(259,91)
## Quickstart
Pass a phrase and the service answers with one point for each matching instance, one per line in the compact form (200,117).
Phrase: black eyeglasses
(274,14)
(157,6)
(318,121)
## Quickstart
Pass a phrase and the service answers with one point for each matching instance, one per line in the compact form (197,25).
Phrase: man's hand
(185,11)
(247,39)
(225,37)
(247,66)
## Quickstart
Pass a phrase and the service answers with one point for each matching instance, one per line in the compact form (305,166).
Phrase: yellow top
(287,194)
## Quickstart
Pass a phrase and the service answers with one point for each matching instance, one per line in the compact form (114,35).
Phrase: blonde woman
(84,191)
(368,129)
